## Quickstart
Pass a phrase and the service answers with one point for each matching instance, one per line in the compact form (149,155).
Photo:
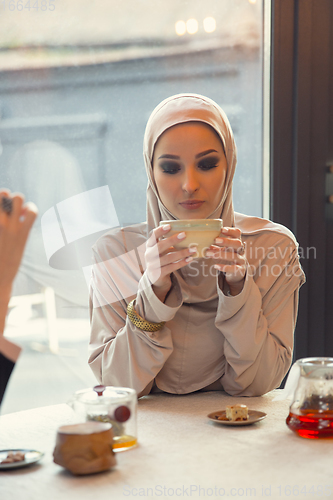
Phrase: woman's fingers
(171,256)
(235,243)
(162,258)
(164,245)
(5,205)
(4,192)
(174,266)
(157,233)
(227,256)
(170,242)
(29,213)
(232,232)
(228,248)
(230,236)
(11,203)
(175,256)
(14,230)
(19,216)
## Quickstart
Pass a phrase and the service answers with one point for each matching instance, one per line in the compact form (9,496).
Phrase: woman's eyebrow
(204,153)
(171,157)
(199,155)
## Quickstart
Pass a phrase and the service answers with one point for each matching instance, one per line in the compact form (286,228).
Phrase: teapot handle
(291,384)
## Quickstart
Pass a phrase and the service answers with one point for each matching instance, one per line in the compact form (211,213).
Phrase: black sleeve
(6,368)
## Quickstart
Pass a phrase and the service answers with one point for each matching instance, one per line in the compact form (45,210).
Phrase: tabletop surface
(181,454)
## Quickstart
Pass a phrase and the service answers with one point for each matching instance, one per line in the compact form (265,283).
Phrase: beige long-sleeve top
(245,342)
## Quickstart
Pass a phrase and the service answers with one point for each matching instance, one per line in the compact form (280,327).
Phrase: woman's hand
(162,259)
(14,231)
(229,253)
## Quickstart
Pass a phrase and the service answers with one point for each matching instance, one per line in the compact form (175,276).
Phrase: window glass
(78,81)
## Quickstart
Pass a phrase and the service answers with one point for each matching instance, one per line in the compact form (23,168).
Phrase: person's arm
(14,231)
(4,301)
(259,331)
(15,225)
(120,353)
(9,352)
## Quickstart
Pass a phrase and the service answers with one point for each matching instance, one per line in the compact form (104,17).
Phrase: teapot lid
(101,394)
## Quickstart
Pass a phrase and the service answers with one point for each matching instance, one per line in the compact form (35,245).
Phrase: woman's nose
(190,181)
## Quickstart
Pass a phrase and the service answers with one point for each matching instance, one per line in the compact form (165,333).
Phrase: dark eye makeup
(208,163)
(170,167)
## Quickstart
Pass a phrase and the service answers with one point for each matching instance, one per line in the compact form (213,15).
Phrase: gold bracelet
(140,322)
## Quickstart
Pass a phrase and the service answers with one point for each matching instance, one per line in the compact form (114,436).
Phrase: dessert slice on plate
(237,412)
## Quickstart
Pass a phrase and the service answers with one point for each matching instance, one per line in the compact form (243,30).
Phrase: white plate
(31,457)
(220,418)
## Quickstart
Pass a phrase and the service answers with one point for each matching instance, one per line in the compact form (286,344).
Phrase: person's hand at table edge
(15,226)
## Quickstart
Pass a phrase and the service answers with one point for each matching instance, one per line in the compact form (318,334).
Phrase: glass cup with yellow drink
(114,405)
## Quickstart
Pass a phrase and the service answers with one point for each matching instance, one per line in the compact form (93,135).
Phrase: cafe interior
(78,82)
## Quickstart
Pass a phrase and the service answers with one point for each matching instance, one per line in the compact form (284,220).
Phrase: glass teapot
(311,411)
(115,405)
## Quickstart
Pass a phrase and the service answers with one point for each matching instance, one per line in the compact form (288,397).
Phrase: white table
(181,454)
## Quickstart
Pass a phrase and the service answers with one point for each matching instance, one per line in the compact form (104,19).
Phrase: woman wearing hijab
(164,321)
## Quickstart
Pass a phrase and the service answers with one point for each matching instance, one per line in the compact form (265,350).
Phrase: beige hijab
(184,108)
(258,234)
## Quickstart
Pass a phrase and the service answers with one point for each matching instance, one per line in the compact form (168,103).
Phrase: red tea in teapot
(314,419)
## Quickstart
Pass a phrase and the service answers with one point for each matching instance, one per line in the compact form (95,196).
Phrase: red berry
(122,413)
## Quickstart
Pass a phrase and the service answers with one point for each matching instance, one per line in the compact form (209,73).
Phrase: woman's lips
(191,204)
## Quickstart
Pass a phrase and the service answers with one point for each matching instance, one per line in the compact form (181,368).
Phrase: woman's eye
(170,168)
(208,164)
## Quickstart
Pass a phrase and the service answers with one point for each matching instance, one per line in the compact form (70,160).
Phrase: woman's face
(189,168)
